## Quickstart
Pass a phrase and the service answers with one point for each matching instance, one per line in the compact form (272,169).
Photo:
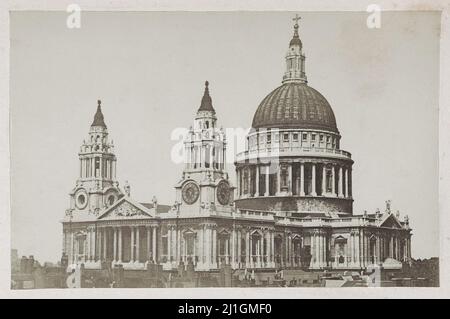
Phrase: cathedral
(290,207)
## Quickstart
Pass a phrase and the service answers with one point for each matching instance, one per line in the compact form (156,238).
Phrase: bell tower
(96,186)
(205,185)
(295,59)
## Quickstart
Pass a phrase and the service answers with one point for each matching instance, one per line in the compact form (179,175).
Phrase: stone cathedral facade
(290,206)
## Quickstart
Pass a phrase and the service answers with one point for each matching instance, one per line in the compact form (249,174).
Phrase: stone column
(169,243)
(352,248)
(288,250)
(377,250)
(290,181)
(324,180)
(105,240)
(87,252)
(138,239)
(266,190)
(214,247)
(409,248)
(247,248)
(318,249)
(333,181)
(154,256)
(257,181)
(302,179)
(233,248)
(148,253)
(257,250)
(349,182)
(267,248)
(238,177)
(340,183)
(324,250)
(201,255)
(115,244)
(178,243)
(313,181)
(239,248)
(272,249)
(208,246)
(357,250)
(132,245)
(89,244)
(278,179)
(346,183)
(249,182)
(313,250)
(391,247)
(120,245)
(98,247)
(93,244)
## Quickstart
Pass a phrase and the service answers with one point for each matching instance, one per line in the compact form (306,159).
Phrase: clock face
(223,193)
(190,193)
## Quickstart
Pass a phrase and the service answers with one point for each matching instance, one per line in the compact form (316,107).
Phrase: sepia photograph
(224,149)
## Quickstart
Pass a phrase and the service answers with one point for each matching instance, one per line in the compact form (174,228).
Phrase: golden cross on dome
(297,17)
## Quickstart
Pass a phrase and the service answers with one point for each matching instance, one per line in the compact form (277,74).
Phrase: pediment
(391,222)
(126,208)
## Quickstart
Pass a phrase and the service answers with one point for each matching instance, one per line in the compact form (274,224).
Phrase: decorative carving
(69,213)
(126,210)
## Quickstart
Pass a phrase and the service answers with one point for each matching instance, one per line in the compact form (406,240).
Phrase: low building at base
(291,207)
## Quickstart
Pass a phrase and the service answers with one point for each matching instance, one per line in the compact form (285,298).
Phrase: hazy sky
(149,70)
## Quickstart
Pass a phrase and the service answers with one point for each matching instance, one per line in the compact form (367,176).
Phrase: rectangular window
(286,137)
(305,136)
(321,138)
(295,137)
(313,137)
(328,139)
(269,138)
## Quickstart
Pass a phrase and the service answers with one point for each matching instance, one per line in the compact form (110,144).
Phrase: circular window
(81,201)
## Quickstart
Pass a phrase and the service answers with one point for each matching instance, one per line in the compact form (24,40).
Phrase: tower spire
(98,117)
(206,104)
(295,59)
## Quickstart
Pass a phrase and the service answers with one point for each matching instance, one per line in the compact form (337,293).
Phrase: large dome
(295,105)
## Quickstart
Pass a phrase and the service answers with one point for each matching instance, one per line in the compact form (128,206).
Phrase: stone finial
(388,206)
(406,219)
(377,213)
(127,188)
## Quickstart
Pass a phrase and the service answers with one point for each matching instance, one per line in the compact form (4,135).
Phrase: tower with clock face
(205,186)
(96,186)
